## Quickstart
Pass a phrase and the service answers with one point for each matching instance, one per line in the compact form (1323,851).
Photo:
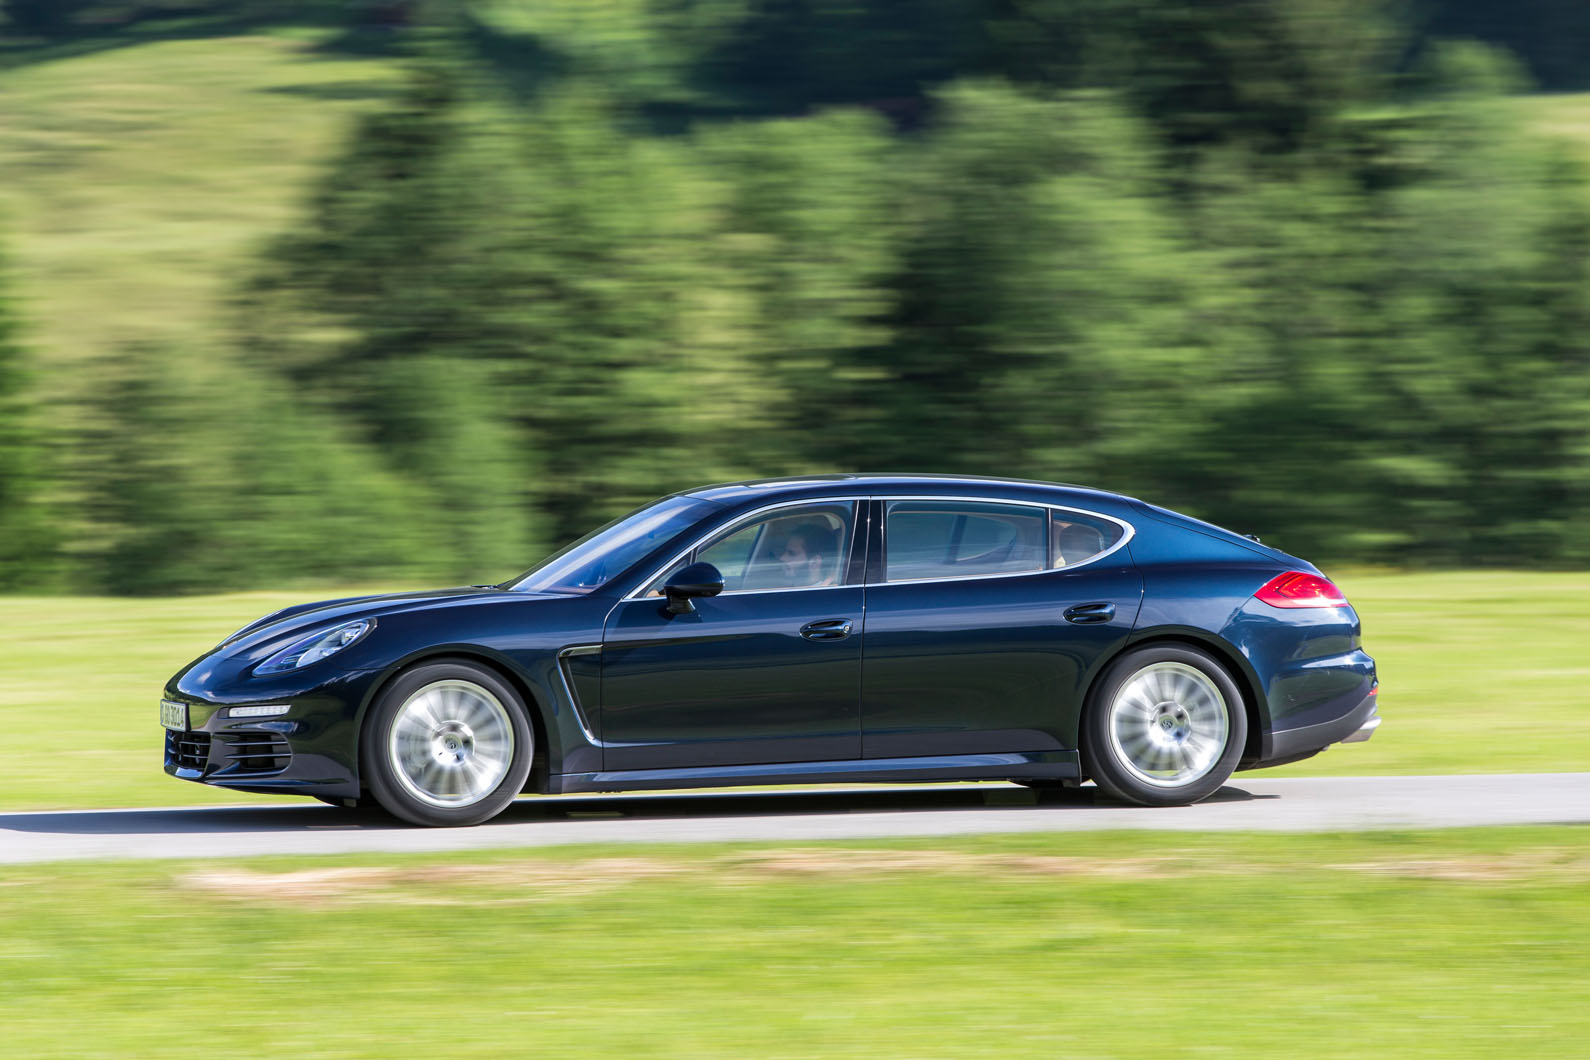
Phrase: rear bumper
(1355,726)
(1365,731)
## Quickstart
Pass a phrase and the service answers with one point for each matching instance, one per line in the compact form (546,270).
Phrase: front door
(767,672)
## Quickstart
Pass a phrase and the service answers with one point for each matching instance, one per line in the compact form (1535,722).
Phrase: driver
(805,556)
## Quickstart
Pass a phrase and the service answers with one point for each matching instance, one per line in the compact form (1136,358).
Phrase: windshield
(587,564)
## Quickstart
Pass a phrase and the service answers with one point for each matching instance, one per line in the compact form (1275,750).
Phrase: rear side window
(1077,538)
(958,539)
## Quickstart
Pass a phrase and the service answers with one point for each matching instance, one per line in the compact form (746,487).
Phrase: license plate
(174,715)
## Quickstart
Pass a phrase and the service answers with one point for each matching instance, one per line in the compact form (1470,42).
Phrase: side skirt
(1028,765)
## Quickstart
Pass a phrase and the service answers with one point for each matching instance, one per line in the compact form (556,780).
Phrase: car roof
(731,493)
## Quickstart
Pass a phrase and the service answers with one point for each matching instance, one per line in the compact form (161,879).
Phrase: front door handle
(1082,614)
(832,629)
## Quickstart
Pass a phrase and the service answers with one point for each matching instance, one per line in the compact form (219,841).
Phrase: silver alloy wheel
(1169,724)
(451,743)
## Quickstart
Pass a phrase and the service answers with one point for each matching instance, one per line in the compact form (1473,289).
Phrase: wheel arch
(534,708)
(1224,653)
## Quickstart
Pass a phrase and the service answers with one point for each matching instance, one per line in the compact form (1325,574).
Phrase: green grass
(1481,672)
(1457,944)
(96,667)
(139,181)
(1564,116)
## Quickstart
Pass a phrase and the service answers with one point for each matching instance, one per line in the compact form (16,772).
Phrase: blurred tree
(550,249)
(1552,37)
(788,56)
(1240,258)
(793,280)
(1269,74)
(398,261)
(1485,288)
(44,17)
(1035,275)
(190,474)
(25,546)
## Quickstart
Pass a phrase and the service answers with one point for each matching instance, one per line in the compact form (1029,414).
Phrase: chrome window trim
(1129,532)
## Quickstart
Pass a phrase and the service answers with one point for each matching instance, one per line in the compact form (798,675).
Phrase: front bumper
(311,750)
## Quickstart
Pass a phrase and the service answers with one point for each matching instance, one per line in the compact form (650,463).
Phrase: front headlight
(315,647)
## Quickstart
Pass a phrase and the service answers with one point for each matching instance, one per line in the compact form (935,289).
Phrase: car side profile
(836,628)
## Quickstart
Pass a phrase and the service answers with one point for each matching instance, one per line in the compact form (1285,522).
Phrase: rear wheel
(447,743)
(1164,727)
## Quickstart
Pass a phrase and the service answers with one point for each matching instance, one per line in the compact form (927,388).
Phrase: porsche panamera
(835,628)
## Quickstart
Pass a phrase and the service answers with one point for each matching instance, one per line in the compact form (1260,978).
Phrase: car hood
(307,618)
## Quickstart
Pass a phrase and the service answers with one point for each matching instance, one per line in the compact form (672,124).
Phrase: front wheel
(446,743)
(1164,727)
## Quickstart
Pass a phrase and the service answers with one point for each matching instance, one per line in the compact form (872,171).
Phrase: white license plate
(174,715)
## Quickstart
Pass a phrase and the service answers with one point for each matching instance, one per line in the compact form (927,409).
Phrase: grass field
(1481,672)
(1458,944)
(140,180)
(1563,115)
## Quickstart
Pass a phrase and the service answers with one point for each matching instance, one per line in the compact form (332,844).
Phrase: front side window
(959,539)
(791,548)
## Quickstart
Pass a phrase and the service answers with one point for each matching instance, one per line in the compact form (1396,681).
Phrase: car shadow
(572,809)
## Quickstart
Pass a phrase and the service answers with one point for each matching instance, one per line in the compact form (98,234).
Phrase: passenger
(1078,542)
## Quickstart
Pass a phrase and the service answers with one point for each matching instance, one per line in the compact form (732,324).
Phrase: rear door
(985,621)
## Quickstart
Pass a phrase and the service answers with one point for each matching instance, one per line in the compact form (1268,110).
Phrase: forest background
(345,293)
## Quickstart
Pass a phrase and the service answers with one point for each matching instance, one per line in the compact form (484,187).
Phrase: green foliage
(1552,37)
(1285,265)
(1033,262)
(222,477)
(24,545)
(40,16)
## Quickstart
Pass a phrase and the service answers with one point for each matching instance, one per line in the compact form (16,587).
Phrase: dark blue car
(843,628)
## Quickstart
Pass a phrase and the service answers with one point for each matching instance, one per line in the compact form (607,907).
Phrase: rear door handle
(1082,614)
(831,629)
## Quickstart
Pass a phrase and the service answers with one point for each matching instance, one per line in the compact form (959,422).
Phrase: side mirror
(698,579)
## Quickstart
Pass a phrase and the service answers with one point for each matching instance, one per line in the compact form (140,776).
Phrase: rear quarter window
(1077,538)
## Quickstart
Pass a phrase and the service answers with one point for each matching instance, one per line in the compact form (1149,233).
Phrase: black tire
(341,804)
(1164,726)
(363,811)
(438,770)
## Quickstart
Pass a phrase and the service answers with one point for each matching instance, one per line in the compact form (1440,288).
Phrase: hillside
(139,180)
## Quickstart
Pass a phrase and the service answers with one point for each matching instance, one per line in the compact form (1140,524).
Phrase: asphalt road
(1248,804)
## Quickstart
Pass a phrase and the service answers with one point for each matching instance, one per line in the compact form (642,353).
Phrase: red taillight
(1298,589)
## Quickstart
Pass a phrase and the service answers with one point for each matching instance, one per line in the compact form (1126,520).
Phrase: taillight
(1299,589)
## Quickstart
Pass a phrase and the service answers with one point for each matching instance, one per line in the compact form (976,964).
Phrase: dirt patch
(817,861)
(429,884)
(529,880)
(1482,868)
(521,881)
